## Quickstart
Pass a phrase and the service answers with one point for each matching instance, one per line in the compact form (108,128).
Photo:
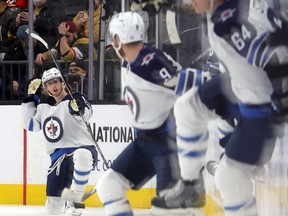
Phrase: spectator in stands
(19,50)
(77,77)
(16,73)
(70,46)
(82,24)
(8,13)
(78,67)
(17,3)
(47,15)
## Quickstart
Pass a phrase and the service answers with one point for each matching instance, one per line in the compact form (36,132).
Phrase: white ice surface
(15,210)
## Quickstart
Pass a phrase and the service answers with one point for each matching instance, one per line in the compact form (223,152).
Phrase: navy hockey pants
(253,139)
(147,155)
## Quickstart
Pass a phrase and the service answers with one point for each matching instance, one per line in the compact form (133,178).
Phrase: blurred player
(70,146)
(238,31)
(150,82)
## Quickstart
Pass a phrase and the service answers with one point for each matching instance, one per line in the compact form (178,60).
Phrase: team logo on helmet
(132,102)
(50,74)
(53,129)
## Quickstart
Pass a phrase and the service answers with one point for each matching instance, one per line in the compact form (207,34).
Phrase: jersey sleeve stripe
(186,80)
(198,80)
(255,45)
(266,56)
(30,128)
(259,57)
(181,83)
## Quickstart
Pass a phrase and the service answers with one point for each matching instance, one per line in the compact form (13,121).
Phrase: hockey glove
(77,106)
(73,107)
(34,86)
(34,90)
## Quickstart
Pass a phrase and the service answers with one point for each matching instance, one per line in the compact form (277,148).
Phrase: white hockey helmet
(52,73)
(129,26)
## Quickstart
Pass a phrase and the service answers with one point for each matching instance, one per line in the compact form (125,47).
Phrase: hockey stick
(172,28)
(88,194)
(204,53)
(88,126)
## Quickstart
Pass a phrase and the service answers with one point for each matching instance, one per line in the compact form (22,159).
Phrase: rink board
(24,162)
(13,195)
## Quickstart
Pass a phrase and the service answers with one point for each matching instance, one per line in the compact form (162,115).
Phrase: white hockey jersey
(144,89)
(60,128)
(237,33)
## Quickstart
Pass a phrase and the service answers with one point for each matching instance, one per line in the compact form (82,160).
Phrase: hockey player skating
(150,84)
(70,146)
(237,32)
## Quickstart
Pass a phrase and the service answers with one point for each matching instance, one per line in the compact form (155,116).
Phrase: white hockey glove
(34,86)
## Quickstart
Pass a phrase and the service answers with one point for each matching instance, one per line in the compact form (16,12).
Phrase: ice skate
(185,198)
(72,196)
(74,209)
(211,167)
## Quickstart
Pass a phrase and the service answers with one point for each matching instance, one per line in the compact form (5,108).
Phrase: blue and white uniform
(70,146)
(150,86)
(151,103)
(237,33)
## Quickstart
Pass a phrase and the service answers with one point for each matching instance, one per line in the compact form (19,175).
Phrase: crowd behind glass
(101,79)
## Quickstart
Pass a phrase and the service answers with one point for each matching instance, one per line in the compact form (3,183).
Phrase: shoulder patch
(228,13)
(147,58)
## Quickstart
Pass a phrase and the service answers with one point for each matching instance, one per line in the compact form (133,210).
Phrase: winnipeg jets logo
(53,129)
(148,58)
(227,14)
(132,102)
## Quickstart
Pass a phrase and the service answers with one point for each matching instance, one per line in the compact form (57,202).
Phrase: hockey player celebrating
(150,82)
(70,146)
(238,32)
